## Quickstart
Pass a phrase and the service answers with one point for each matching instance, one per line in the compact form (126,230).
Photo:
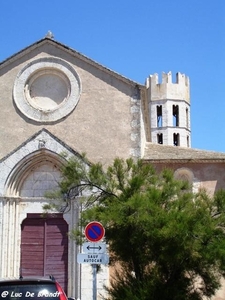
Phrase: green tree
(168,242)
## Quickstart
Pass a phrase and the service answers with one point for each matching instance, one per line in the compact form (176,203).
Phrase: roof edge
(23,51)
(184,160)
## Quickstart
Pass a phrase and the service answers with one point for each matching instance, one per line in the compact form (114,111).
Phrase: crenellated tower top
(169,109)
(180,90)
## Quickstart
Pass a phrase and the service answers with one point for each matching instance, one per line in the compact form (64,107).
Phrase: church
(55,100)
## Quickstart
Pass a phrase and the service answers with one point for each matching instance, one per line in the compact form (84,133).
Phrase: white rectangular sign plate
(83,258)
(94,247)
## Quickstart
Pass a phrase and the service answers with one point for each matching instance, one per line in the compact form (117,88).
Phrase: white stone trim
(48,66)
(10,165)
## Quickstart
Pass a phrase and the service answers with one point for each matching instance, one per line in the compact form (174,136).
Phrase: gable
(54,48)
(91,103)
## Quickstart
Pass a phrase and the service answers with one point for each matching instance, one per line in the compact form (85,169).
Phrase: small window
(159,115)
(175,115)
(188,141)
(176,139)
(187,118)
(160,138)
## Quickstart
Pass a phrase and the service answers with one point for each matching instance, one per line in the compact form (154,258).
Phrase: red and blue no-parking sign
(94,231)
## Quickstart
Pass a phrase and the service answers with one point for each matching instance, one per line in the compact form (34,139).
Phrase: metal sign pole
(94,252)
(94,268)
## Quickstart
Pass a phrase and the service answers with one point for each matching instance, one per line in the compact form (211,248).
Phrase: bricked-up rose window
(47,89)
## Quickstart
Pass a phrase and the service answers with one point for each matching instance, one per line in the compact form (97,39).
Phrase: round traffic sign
(94,231)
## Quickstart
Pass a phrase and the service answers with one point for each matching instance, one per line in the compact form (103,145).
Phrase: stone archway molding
(43,145)
(26,166)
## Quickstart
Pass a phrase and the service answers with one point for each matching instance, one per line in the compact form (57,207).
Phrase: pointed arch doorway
(44,247)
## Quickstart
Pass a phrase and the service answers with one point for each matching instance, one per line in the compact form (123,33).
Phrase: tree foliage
(168,242)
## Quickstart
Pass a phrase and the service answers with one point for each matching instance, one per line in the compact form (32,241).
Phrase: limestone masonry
(54,100)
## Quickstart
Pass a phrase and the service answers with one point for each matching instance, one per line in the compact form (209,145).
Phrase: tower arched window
(159,115)
(175,115)
(187,118)
(176,139)
(160,138)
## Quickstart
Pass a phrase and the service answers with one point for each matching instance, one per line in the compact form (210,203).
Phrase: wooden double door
(44,247)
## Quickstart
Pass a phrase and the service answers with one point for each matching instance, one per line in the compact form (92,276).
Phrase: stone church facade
(54,100)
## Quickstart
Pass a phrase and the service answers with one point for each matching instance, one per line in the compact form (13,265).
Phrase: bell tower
(169,109)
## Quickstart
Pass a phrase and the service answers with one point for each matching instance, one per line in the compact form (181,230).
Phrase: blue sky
(136,39)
